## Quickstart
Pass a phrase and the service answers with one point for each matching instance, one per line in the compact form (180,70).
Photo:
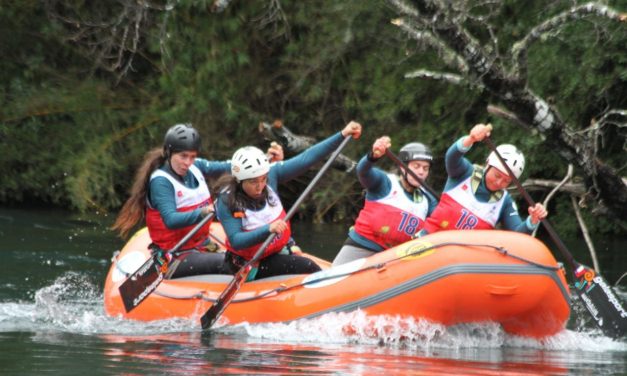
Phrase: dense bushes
(73,132)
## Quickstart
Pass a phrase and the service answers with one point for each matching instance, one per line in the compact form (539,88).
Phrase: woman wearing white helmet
(396,205)
(250,208)
(475,197)
(171,193)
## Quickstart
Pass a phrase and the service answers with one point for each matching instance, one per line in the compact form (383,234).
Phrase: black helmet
(181,137)
(415,151)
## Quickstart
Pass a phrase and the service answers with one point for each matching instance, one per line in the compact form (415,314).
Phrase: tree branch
(295,144)
(427,39)
(507,115)
(545,184)
(520,48)
(438,18)
(586,234)
(569,175)
(110,34)
(446,77)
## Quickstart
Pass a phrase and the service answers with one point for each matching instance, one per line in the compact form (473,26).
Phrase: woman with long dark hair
(171,193)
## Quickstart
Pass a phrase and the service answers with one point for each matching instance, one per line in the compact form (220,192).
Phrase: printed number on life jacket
(409,224)
(467,221)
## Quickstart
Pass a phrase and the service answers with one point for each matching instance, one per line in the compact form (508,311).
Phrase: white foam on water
(73,303)
(394,331)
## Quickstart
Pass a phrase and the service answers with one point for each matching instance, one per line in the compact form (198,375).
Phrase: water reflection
(52,321)
(198,354)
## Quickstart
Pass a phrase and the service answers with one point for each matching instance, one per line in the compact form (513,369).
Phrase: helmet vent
(181,137)
(249,162)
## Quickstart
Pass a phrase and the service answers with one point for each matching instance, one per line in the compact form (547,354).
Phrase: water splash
(396,332)
(73,303)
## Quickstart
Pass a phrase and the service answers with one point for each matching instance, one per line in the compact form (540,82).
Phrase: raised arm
(457,166)
(293,167)
(373,179)
(213,169)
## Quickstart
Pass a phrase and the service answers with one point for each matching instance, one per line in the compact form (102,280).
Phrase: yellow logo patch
(415,249)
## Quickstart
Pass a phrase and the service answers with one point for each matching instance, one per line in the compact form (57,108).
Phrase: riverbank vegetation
(88,88)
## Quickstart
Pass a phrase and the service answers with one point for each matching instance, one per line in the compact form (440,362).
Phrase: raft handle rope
(282,288)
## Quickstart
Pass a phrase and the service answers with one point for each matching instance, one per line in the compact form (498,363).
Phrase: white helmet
(512,156)
(249,162)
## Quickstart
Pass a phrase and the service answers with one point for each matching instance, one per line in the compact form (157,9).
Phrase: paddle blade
(141,283)
(211,316)
(601,302)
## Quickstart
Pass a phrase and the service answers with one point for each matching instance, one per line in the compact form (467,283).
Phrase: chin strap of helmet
(406,170)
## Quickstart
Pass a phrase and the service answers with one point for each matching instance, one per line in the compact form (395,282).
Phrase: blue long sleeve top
(280,172)
(161,192)
(378,186)
(459,168)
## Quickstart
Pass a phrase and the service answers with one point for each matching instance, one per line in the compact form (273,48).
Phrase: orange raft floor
(449,277)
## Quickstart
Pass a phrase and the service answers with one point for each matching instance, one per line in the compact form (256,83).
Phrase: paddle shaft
(595,293)
(301,198)
(143,281)
(192,232)
(547,225)
(214,312)
(404,166)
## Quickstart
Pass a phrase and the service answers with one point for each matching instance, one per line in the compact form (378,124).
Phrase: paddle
(213,313)
(406,168)
(596,294)
(139,285)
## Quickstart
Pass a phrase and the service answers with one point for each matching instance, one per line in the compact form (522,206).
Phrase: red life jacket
(254,219)
(393,219)
(459,208)
(187,199)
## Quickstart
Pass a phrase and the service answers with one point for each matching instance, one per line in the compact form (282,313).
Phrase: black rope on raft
(283,288)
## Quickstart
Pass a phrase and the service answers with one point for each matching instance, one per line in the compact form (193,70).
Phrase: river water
(52,321)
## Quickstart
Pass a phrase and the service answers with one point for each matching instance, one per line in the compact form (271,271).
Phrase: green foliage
(73,134)
(563,217)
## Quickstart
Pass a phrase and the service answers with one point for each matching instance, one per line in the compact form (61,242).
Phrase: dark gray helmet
(415,151)
(181,137)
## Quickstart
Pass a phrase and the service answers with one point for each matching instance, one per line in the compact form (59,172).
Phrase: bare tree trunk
(335,191)
(442,20)
(295,144)
(544,185)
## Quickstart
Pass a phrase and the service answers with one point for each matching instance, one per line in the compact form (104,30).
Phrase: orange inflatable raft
(449,277)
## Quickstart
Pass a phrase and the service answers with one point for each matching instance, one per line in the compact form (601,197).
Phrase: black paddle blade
(211,316)
(142,283)
(601,302)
